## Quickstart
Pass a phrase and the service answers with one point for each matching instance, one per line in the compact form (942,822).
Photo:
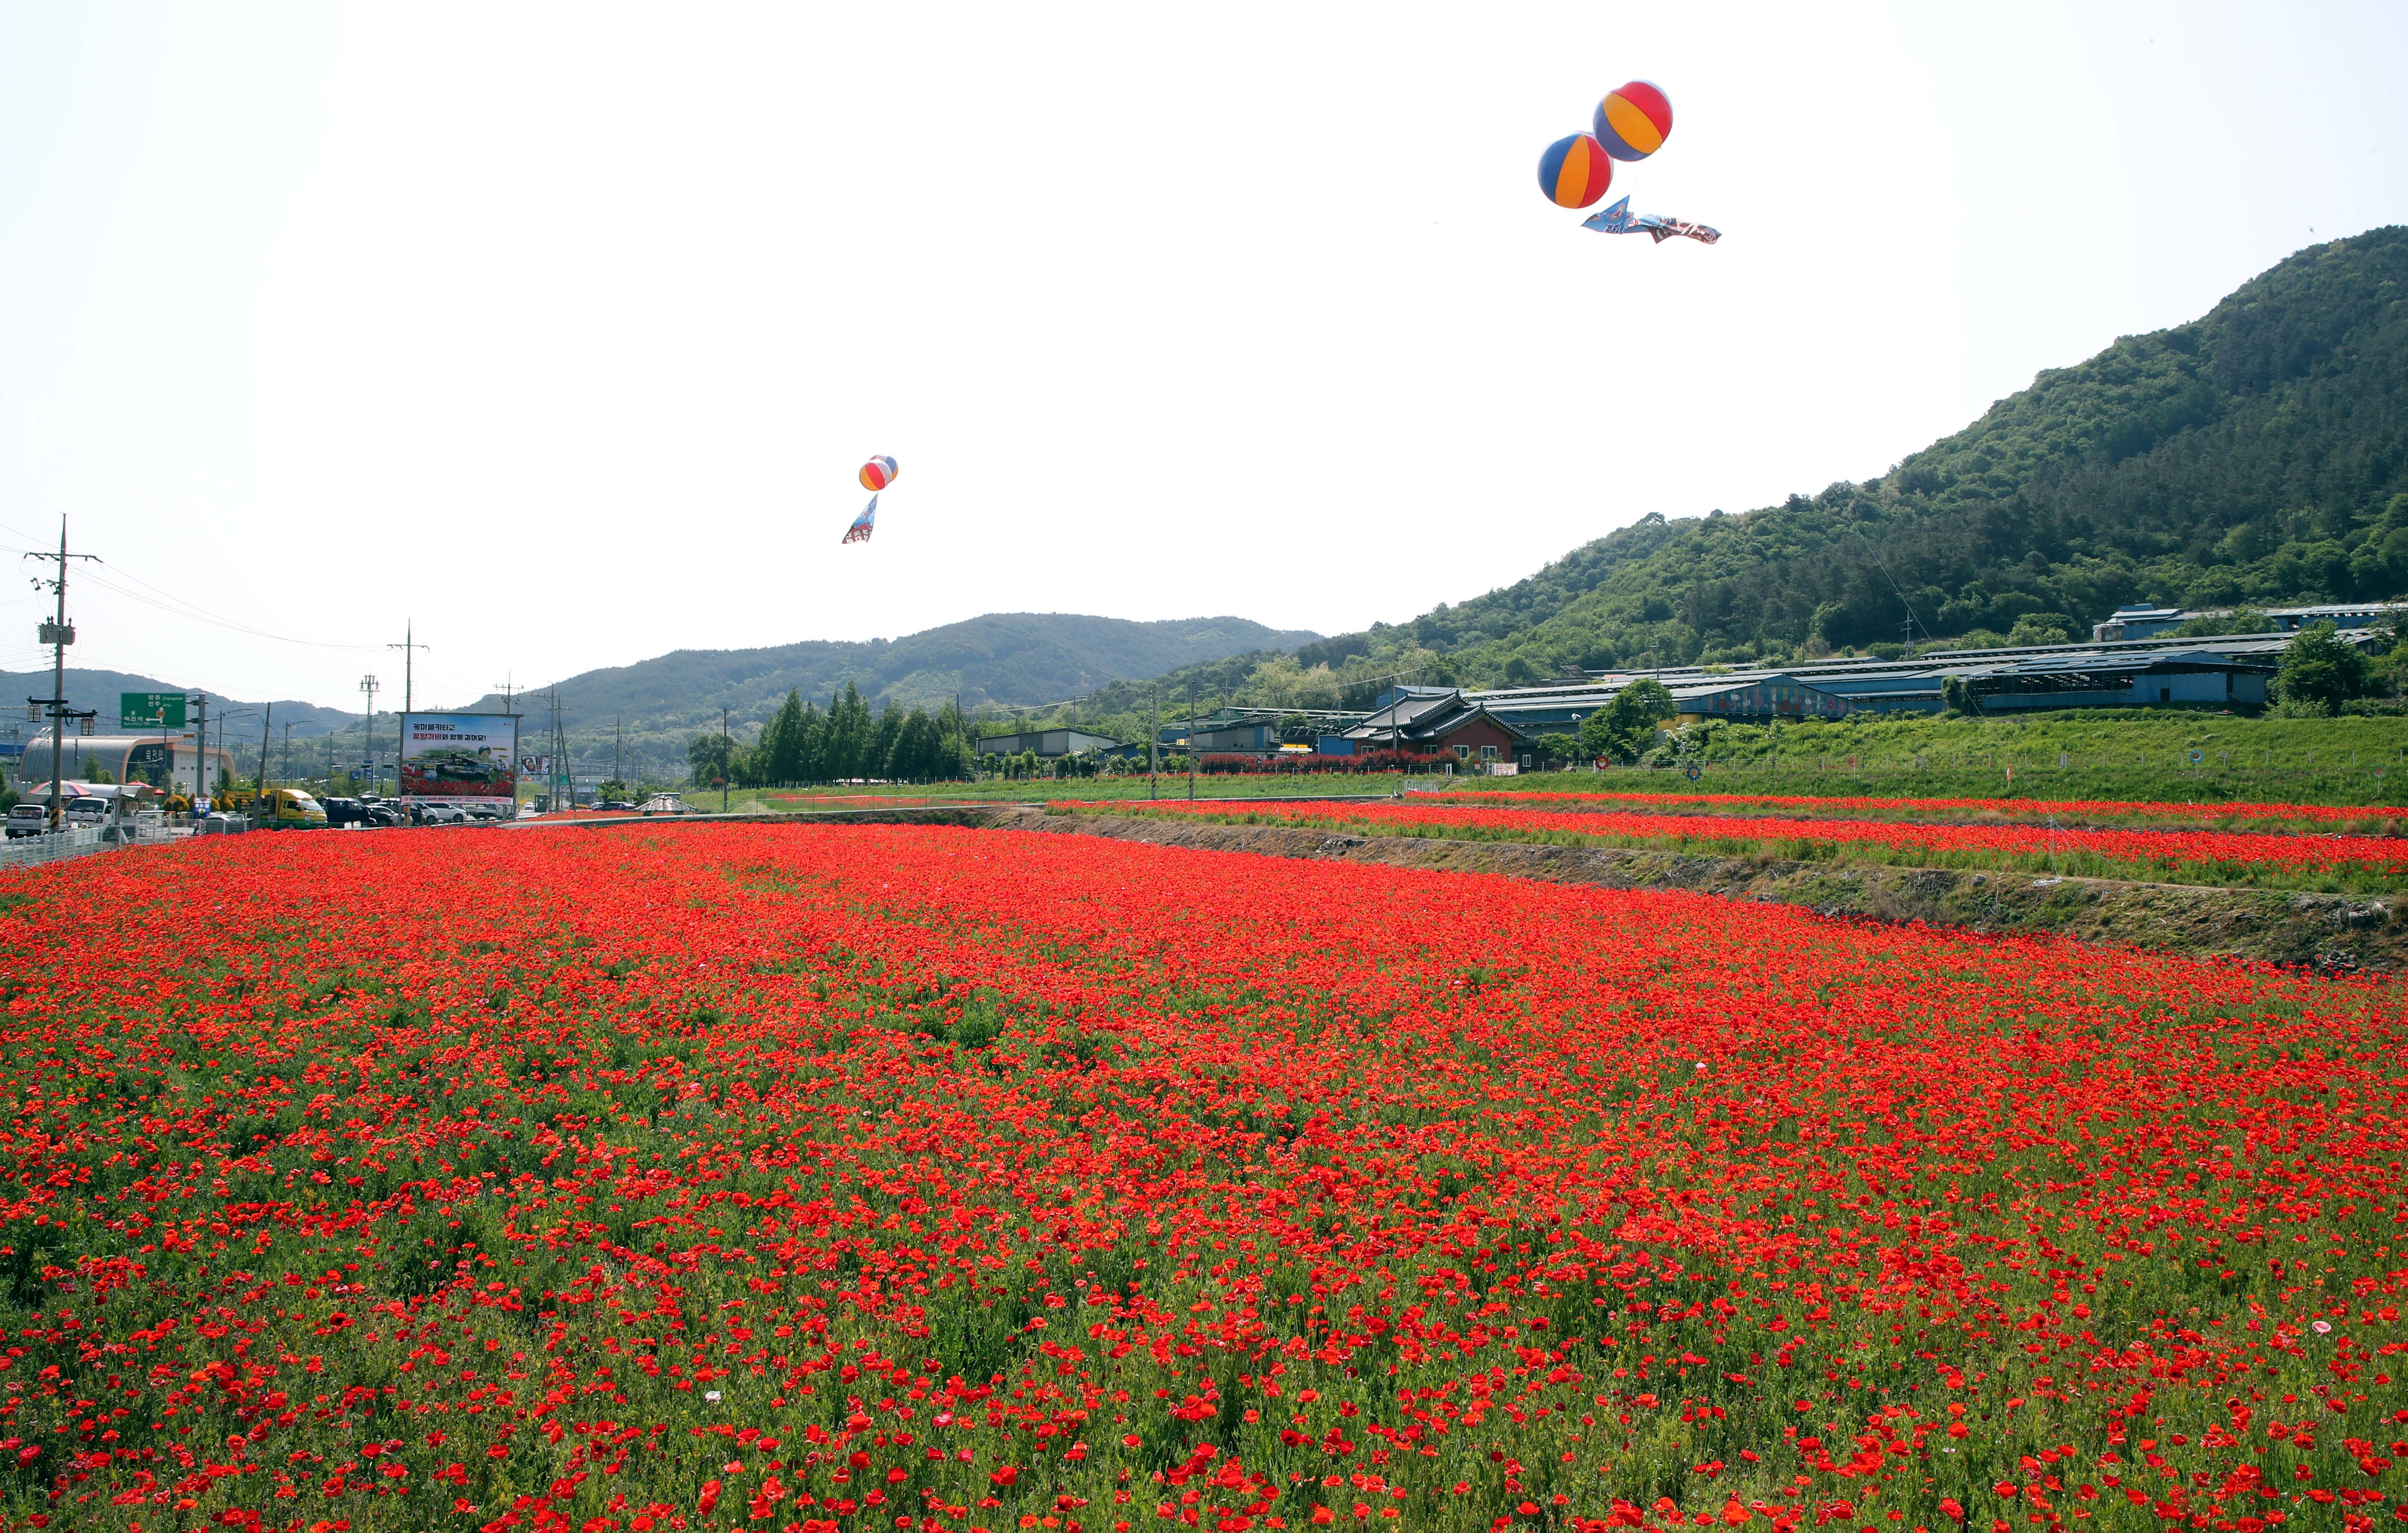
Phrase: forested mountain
(2258,454)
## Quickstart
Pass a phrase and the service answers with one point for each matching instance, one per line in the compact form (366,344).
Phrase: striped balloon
(1574,172)
(877,474)
(1633,121)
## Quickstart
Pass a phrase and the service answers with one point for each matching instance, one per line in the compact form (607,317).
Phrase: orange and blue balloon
(1574,172)
(1633,121)
(877,474)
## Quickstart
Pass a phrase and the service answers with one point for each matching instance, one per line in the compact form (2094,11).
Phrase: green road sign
(150,711)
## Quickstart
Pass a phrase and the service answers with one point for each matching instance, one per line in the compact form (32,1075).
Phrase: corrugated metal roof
(2248,649)
(2096,665)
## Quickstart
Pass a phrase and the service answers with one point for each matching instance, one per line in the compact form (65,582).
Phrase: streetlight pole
(726,760)
(200,746)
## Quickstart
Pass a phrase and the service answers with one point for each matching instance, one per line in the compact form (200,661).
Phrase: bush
(1625,726)
(2045,628)
(2319,668)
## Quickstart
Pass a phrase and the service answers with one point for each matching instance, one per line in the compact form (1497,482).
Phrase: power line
(1911,618)
(176,606)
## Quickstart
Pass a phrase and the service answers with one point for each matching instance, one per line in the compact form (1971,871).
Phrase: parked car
(84,806)
(441,814)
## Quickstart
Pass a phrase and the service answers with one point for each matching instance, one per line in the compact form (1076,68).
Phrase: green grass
(2110,754)
(1114,788)
(2119,753)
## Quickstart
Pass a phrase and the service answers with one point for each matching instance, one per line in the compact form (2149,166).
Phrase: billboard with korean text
(459,758)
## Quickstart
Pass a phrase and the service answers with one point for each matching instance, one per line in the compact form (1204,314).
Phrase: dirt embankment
(2328,931)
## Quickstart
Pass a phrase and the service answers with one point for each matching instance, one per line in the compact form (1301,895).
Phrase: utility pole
(1191,739)
(1153,745)
(284,761)
(726,759)
(564,783)
(408,649)
(618,742)
(58,634)
(511,709)
(266,722)
(367,730)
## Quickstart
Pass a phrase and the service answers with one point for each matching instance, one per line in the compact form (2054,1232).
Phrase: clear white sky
(562,329)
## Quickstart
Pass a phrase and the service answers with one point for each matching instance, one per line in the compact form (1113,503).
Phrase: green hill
(999,660)
(2256,455)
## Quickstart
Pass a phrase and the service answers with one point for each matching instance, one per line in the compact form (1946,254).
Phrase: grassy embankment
(2108,754)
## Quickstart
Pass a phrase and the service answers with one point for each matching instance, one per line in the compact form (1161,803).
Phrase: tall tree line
(803,744)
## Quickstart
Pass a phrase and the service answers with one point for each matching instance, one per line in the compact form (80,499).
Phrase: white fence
(57,847)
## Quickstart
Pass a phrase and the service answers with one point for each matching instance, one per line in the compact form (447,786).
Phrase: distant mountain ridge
(649,710)
(639,717)
(1010,659)
(99,690)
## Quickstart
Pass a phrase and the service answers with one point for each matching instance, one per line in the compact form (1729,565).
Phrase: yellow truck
(273,808)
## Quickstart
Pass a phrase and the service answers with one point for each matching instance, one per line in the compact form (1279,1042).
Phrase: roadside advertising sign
(459,758)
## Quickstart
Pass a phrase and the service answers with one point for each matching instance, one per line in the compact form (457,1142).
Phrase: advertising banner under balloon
(459,758)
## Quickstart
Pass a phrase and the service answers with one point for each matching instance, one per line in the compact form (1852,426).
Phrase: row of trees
(801,743)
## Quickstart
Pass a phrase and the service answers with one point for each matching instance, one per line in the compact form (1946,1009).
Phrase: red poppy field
(893,1177)
(2371,864)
